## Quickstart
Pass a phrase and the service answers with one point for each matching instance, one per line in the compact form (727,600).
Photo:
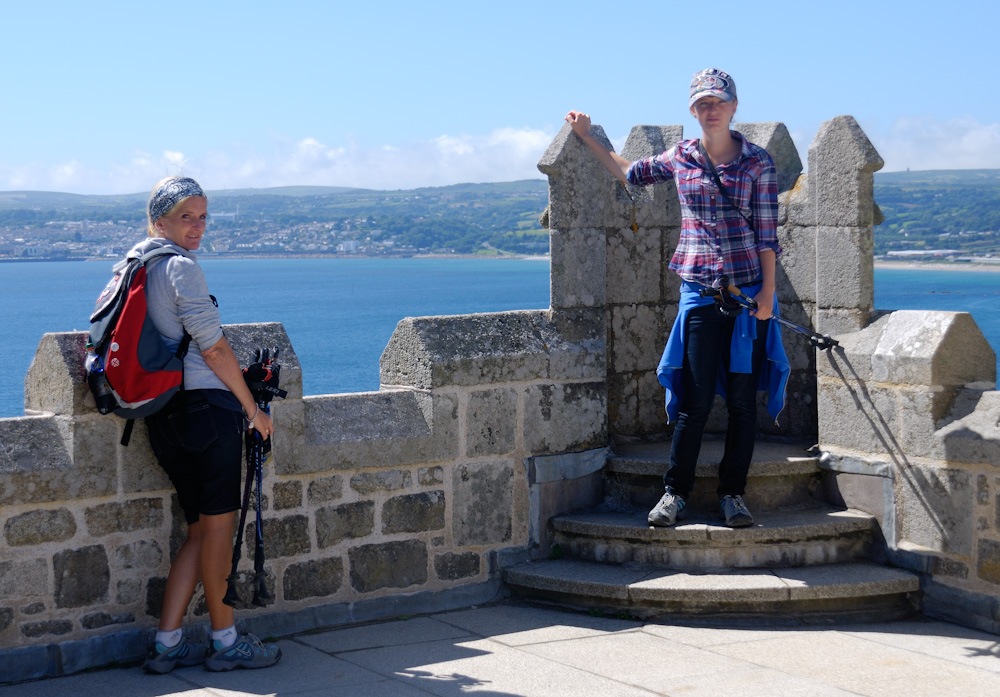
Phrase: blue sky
(104,98)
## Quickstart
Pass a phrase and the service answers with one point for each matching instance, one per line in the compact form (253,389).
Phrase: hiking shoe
(735,512)
(667,511)
(247,652)
(163,659)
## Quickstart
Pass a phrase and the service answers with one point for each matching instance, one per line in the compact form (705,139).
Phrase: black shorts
(200,446)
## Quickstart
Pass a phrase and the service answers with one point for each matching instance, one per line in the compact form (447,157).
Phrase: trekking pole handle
(738,292)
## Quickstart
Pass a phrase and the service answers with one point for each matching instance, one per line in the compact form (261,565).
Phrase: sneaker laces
(740,506)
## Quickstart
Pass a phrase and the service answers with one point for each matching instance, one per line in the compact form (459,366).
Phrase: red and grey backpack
(130,370)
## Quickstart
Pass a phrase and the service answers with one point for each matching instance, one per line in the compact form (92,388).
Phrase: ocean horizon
(339,313)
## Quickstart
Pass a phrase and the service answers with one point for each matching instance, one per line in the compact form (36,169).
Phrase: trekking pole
(261,377)
(232,597)
(820,341)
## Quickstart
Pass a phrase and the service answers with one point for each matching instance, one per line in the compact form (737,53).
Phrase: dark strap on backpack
(722,189)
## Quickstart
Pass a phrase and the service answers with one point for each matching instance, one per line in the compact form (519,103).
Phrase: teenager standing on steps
(708,348)
(198,437)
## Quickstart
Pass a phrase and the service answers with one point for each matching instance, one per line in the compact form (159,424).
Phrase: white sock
(226,637)
(171,638)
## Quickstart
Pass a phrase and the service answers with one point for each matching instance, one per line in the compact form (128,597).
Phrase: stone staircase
(802,561)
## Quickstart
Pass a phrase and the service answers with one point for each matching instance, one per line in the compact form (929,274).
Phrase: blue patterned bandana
(169,194)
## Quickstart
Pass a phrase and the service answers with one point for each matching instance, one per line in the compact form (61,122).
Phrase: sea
(339,313)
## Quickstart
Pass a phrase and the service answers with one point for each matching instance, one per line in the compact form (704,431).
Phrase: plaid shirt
(715,239)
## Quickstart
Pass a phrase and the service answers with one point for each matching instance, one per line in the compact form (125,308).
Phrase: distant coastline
(936,266)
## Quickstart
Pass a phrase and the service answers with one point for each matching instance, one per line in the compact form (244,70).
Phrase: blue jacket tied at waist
(773,373)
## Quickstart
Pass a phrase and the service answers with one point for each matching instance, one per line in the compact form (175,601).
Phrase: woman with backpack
(718,177)
(198,437)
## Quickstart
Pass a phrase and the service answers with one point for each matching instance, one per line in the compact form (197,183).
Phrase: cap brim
(724,96)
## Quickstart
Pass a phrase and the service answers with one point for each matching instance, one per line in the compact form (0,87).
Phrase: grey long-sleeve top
(178,299)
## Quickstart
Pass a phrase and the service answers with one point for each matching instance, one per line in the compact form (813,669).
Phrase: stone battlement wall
(412,498)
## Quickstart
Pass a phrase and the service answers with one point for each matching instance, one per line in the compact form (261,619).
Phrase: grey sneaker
(735,512)
(163,660)
(667,511)
(247,652)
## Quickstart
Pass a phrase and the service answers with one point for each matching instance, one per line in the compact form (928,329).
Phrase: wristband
(250,420)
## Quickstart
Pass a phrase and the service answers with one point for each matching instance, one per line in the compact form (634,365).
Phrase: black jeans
(706,347)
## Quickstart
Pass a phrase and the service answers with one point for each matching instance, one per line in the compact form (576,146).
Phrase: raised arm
(615,163)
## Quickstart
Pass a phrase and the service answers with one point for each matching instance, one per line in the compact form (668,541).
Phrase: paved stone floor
(509,649)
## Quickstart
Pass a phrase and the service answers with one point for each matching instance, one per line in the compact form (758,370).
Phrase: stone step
(782,475)
(778,539)
(859,591)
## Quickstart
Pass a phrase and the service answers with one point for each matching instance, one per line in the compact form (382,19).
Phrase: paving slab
(518,625)
(513,649)
(863,667)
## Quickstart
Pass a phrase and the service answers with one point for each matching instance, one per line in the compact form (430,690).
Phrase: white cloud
(929,143)
(505,154)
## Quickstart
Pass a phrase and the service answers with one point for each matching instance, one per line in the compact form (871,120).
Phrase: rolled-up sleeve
(764,206)
(652,170)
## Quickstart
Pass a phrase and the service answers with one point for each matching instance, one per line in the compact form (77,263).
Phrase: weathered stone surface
(452,567)
(20,579)
(845,272)
(656,205)
(39,462)
(143,554)
(500,347)
(6,618)
(350,520)
(934,505)
(82,576)
(326,489)
(388,565)
(36,527)
(283,537)
(634,267)
(414,512)
(565,417)
(33,630)
(919,348)
(288,494)
(155,588)
(482,509)
(971,434)
(391,427)
(55,378)
(430,476)
(948,567)
(33,609)
(96,620)
(490,422)
(842,162)
(128,516)
(140,472)
(313,579)
(988,561)
(578,275)
(128,591)
(638,335)
(581,190)
(775,138)
(388,480)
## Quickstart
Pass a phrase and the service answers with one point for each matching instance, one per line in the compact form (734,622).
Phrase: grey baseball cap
(712,82)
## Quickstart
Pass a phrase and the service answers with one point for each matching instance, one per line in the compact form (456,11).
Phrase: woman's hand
(765,304)
(261,423)
(579,122)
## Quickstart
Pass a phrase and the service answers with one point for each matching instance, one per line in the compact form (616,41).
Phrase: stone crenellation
(414,498)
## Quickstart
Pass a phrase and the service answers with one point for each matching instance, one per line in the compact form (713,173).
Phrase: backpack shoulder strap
(722,190)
